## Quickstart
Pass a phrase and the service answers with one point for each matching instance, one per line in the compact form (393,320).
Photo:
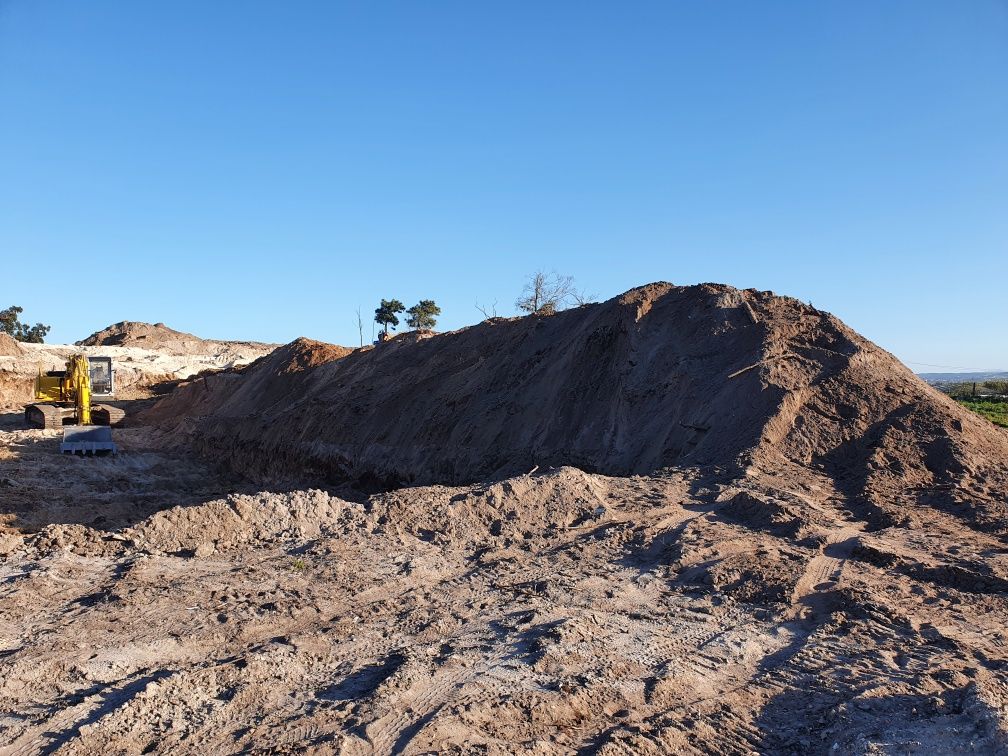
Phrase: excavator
(62,394)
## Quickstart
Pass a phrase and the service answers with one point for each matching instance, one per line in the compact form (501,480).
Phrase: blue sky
(259,170)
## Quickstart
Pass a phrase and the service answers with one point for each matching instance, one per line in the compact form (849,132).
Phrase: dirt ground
(797,547)
(152,604)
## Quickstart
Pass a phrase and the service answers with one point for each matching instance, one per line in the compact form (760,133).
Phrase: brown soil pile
(662,376)
(130,333)
(157,337)
(12,386)
(9,346)
(270,381)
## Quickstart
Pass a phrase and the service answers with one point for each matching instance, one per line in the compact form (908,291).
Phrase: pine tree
(12,326)
(385,314)
(423,315)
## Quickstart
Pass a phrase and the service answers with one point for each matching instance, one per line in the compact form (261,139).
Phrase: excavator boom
(80,385)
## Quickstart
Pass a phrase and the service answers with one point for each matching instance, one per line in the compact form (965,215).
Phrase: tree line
(543,294)
(10,323)
(966,389)
(420,317)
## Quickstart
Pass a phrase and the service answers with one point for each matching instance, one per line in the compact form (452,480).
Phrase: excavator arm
(79,378)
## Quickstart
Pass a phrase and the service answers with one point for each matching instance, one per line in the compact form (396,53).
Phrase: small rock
(205,550)
(9,543)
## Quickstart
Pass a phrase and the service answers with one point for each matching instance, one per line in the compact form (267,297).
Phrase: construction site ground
(685,520)
(151,603)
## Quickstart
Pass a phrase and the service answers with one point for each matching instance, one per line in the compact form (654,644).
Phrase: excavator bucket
(87,439)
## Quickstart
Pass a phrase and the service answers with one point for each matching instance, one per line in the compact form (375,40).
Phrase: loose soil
(8,346)
(822,570)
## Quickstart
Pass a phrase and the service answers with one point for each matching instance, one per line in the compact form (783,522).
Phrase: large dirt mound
(661,376)
(156,337)
(146,335)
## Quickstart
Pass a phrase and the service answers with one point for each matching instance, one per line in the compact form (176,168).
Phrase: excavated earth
(687,520)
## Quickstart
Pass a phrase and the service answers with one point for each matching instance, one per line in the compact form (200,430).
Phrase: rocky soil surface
(558,612)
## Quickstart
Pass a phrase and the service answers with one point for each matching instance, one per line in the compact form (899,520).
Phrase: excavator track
(45,416)
(106,414)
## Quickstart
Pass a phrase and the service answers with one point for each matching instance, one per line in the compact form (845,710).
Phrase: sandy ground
(152,604)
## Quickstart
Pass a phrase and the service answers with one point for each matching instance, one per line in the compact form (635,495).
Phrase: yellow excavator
(67,394)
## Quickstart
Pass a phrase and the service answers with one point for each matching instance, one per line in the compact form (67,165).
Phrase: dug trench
(689,519)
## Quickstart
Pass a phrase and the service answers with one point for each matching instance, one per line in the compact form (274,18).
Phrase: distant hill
(129,333)
(159,337)
(933,378)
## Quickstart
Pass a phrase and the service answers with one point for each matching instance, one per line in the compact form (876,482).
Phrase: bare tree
(581,297)
(545,293)
(360,327)
(489,311)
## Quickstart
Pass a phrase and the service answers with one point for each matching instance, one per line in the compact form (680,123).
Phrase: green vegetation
(988,399)
(423,315)
(12,326)
(994,410)
(972,388)
(386,313)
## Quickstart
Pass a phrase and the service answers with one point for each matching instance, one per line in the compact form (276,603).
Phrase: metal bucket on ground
(87,439)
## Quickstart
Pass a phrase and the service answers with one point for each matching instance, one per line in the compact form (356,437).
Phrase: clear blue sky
(259,170)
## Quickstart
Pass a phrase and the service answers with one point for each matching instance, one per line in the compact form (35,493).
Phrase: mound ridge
(156,337)
(661,376)
(145,335)
(268,384)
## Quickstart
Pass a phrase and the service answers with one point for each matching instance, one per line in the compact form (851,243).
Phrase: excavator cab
(100,370)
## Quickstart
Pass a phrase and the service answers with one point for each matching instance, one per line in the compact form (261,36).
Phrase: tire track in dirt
(822,573)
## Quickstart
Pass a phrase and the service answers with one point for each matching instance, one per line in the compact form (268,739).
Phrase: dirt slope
(661,376)
(265,383)
(8,346)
